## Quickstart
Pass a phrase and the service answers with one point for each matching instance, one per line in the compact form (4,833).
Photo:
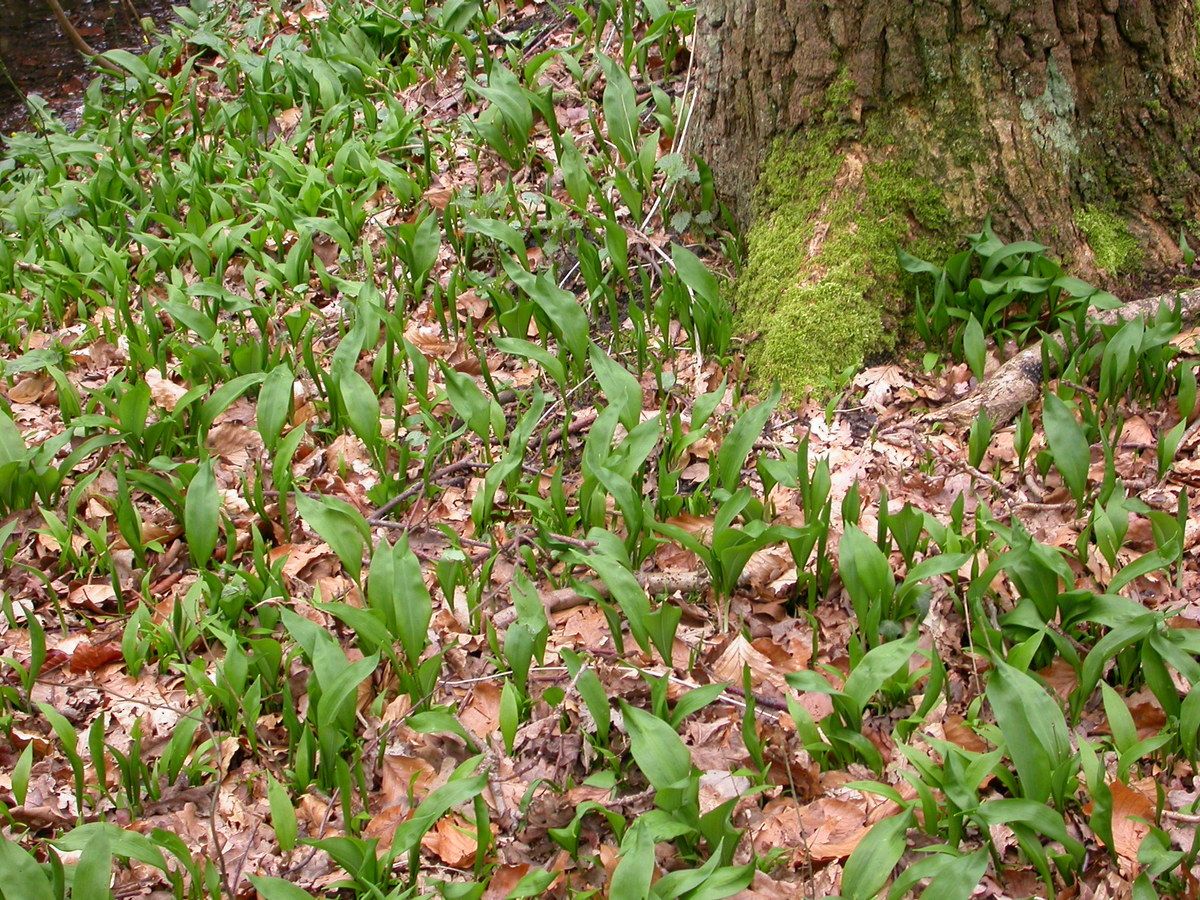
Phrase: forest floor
(388,511)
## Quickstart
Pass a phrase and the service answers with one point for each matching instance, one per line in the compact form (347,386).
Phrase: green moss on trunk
(820,288)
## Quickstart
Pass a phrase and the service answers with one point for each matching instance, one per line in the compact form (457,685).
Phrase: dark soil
(35,56)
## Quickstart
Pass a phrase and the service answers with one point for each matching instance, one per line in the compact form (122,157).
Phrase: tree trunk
(1071,122)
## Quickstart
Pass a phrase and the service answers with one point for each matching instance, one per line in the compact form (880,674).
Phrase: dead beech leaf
(1132,815)
(826,829)
(30,389)
(699,527)
(480,713)
(1148,717)
(452,840)
(88,657)
(1060,675)
(740,653)
(402,777)
(957,732)
(504,880)
(165,393)
(438,198)
(92,596)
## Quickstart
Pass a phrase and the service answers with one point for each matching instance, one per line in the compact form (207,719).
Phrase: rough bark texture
(1072,122)
(1019,106)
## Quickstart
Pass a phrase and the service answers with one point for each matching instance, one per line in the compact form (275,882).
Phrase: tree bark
(1036,110)
(839,129)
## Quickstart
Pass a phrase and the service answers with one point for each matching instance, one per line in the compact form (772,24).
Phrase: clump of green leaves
(993,289)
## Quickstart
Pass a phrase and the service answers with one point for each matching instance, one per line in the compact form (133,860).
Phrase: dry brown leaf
(1132,817)
(88,657)
(453,841)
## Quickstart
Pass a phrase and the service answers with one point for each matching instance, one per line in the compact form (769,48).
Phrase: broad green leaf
(1068,443)
(874,669)
(867,575)
(461,788)
(362,408)
(632,878)
(283,814)
(621,388)
(575,173)
(23,877)
(741,439)
(501,232)
(975,347)
(550,364)
(695,274)
(224,396)
(278,889)
(395,587)
(620,108)
(93,874)
(657,749)
(624,588)
(870,865)
(121,841)
(1033,726)
(275,404)
(340,525)
(1038,816)
(201,514)
(471,404)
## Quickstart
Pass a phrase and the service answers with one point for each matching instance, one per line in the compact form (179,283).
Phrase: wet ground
(35,56)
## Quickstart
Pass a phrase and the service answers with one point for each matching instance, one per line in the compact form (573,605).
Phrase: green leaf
(339,525)
(695,274)
(131,63)
(278,889)
(975,347)
(657,749)
(624,588)
(201,514)
(874,669)
(123,843)
(620,108)
(870,865)
(471,404)
(23,877)
(574,170)
(362,408)
(283,814)
(93,874)
(275,404)
(1033,726)
(1069,445)
(501,232)
(741,439)
(621,389)
(395,586)
(459,789)
(1041,818)
(224,396)
(550,364)
(867,575)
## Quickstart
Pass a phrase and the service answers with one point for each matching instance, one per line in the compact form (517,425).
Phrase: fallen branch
(77,39)
(1019,380)
(653,582)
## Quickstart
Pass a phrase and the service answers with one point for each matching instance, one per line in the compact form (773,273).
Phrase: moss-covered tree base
(819,291)
(843,128)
